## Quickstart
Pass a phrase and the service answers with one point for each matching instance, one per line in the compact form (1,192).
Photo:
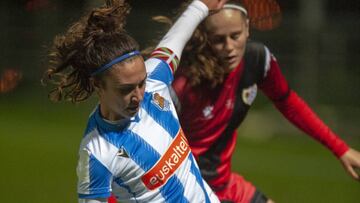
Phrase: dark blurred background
(317,45)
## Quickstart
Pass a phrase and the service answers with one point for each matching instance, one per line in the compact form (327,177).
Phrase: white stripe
(193,190)
(102,150)
(151,64)
(83,174)
(267,61)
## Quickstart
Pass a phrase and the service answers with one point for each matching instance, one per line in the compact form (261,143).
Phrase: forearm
(297,111)
(301,115)
(182,30)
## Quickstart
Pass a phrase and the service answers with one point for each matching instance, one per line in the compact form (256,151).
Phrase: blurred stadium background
(317,44)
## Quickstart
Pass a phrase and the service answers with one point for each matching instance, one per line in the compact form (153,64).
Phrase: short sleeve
(161,65)
(94,179)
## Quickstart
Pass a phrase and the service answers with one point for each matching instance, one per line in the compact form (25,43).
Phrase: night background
(317,45)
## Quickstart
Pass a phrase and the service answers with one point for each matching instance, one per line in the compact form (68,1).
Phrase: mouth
(230,59)
(133,109)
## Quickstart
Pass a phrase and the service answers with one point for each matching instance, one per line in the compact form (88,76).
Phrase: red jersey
(206,112)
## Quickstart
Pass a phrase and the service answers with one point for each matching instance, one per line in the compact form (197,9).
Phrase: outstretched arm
(300,114)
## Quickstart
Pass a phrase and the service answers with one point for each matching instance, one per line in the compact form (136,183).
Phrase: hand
(214,5)
(351,161)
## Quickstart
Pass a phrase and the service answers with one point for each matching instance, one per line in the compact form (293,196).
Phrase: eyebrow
(132,84)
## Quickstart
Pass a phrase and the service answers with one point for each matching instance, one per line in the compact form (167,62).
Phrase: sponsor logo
(249,94)
(174,156)
(207,112)
(160,102)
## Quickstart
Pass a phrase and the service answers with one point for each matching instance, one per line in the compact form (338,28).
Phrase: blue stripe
(162,72)
(195,170)
(100,178)
(146,157)
(90,125)
(164,118)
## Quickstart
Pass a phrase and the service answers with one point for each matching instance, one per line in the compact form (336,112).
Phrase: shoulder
(257,56)
(255,47)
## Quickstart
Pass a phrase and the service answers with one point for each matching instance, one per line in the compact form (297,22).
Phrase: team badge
(249,94)
(160,102)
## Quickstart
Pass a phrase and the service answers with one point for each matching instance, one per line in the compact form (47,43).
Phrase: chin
(132,113)
(232,66)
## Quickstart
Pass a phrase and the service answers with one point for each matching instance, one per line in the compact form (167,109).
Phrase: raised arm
(181,31)
(301,115)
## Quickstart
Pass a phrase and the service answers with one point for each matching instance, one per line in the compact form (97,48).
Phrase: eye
(142,84)
(124,90)
(217,39)
(235,36)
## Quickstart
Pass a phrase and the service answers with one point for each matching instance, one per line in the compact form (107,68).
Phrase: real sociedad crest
(160,102)
(249,94)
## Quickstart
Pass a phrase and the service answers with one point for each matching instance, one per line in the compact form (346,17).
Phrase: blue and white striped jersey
(145,158)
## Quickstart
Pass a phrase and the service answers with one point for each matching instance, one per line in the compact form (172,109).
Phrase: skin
(228,32)
(122,89)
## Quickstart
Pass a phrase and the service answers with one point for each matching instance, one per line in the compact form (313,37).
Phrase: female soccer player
(216,87)
(133,145)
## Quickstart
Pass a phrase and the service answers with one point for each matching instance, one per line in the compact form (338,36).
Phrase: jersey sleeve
(176,38)
(94,179)
(164,60)
(297,111)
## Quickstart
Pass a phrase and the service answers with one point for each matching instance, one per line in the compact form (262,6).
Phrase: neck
(109,115)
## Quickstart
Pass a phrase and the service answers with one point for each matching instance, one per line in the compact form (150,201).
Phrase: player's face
(228,31)
(123,89)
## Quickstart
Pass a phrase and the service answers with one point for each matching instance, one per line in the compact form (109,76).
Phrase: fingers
(214,5)
(351,162)
(353,173)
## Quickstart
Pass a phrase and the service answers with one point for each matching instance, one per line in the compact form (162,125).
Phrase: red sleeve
(297,111)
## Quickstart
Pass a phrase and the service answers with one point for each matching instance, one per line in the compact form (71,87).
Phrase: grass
(295,169)
(39,142)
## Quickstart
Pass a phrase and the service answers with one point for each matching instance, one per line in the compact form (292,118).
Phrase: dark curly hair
(89,43)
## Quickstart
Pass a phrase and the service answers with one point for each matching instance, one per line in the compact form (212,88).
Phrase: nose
(138,94)
(229,46)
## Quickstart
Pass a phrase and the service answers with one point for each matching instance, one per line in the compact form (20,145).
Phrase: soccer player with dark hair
(133,145)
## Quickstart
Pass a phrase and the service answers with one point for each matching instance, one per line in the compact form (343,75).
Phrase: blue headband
(115,61)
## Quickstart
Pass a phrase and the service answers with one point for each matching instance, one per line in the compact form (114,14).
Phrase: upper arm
(274,84)
(162,65)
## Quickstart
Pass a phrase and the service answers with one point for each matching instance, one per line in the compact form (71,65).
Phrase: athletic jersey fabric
(205,115)
(145,158)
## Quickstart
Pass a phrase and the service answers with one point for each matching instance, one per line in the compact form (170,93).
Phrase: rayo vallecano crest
(160,102)
(249,94)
